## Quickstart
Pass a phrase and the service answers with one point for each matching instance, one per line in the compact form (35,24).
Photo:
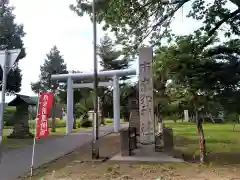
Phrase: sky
(51,22)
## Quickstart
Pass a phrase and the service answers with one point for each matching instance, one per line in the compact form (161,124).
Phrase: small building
(21,116)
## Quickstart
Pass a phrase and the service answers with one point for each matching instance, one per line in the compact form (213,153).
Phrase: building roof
(22,99)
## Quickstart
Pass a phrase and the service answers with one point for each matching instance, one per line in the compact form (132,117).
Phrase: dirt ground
(78,166)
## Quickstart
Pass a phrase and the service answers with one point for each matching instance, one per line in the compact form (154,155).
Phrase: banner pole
(34,138)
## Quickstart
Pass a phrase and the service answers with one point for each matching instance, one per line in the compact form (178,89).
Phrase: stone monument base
(146,153)
(164,140)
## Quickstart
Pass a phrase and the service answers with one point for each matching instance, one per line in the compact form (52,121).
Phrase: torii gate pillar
(116,104)
(69,120)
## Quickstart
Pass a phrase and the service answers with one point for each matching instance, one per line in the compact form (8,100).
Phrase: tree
(134,21)
(11,38)
(162,66)
(229,95)
(110,57)
(110,60)
(202,78)
(11,35)
(53,64)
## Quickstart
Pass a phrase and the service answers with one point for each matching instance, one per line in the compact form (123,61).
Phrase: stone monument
(146,109)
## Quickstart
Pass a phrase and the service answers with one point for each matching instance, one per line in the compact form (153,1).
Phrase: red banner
(45,105)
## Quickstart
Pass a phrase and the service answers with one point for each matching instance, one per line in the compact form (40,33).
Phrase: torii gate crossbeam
(101,74)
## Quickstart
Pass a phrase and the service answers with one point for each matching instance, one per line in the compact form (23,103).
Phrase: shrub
(59,123)
(108,121)
(8,116)
(86,123)
(232,117)
(31,124)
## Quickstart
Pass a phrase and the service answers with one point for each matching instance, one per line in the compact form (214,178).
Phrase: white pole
(4,86)
(116,104)
(69,120)
(99,111)
(34,138)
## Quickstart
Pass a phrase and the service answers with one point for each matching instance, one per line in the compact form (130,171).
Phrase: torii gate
(114,74)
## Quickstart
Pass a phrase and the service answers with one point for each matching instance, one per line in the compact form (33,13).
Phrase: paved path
(17,162)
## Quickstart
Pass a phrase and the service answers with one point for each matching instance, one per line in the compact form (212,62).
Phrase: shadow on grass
(188,149)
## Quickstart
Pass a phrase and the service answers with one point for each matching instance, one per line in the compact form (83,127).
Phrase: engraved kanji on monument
(146,96)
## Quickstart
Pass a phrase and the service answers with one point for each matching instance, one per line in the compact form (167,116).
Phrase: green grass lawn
(223,145)
(221,140)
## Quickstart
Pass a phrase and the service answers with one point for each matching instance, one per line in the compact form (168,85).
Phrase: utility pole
(95,145)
